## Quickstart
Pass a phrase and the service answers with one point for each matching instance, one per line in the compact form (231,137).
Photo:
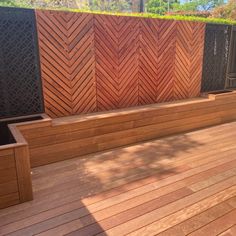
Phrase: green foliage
(200,19)
(112,5)
(196,5)
(14,3)
(188,6)
(226,11)
(54,4)
(160,6)
(157,16)
(57,3)
(94,5)
(204,14)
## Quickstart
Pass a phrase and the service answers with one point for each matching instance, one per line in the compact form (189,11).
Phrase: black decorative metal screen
(231,75)
(216,52)
(20,83)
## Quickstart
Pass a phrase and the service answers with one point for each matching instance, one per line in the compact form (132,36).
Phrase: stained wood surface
(79,135)
(15,176)
(180,185)
(67,59)
(93,62)
(23,170)
(8,179)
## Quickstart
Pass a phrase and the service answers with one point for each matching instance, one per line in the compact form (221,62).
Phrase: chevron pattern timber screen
(179,64)
(66,42)
(93,62)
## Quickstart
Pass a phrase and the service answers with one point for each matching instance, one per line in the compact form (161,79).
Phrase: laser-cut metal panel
(20,84)
(231,73)
(216,52)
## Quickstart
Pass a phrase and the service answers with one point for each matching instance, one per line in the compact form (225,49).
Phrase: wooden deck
(180,185)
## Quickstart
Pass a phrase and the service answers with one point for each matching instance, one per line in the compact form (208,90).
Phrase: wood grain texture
(148,61)
(8,179)
(146,189)
(15,176)
(107,61)
(128,61)
(94,62)
(76,136)
(23,171)
(188,59)
(66,42)
(166,61)
(182,60)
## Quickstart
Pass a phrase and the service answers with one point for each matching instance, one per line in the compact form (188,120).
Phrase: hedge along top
(95,62)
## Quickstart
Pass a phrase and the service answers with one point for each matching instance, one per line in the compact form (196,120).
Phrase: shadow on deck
(111,193)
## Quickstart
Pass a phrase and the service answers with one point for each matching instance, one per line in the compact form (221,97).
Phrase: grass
(150,15)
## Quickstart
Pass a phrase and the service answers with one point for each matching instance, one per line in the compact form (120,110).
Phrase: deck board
(179,185)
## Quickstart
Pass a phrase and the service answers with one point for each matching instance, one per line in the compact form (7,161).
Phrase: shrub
(226,11)
(203,14)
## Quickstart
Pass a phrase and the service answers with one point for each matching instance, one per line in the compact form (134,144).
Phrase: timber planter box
(40,142)
(68,137)
(15,169)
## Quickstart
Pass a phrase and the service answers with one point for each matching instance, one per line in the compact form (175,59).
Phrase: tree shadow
(66,192)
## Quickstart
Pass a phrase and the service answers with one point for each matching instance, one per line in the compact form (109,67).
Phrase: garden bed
(6,135)
(15,169)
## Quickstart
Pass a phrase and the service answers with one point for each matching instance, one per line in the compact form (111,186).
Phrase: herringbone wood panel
(107,61)
(54,64)
(182,60)
(128,67)
(99,62)
(148,61)
(117,61)
(66,42)
(166,60)
(188,59)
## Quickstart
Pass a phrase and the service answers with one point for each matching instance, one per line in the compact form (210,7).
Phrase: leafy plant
(160,6)
(119,5)
(204,14)
(226,11)
(14,3)
(112,10)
